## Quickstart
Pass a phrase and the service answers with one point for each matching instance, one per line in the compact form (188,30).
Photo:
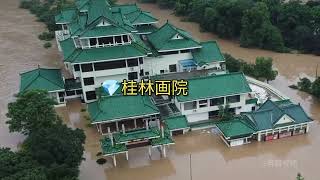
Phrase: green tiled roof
(104,31)
(108,149)
(166,140)
(210,52)
(68,48)
(141,17)
(267,116)
(146,29)
(106,53)
(120,107)
(176,122)
(235,128)
(215,86)
(65,16)
(125,8)
(41,78)
(252,101)
(142,134)
(162,39)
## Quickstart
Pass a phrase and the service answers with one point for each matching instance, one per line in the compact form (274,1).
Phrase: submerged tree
(32,111)
(19,166)
(58,148)
(263,69)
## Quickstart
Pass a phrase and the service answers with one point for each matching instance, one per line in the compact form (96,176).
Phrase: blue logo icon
(110,86)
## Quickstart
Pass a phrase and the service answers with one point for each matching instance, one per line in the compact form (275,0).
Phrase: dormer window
(177,36)
(104,22)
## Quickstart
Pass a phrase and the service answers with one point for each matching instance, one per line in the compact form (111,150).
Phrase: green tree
(224,112)
(305,84)
(32,111)
(299,177)
(257,30)
(232,64)
(315,88)
(58,148)
(19,166)
(263,69)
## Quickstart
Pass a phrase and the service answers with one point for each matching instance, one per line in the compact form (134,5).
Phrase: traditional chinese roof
(210,52)
(277,114)
(113,108)
(215,86)
(65,16)
(235,128)
(176,122)
(165,38)
(42,78)
(74,55)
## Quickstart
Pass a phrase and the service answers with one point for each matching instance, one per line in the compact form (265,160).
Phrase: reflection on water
(20,50)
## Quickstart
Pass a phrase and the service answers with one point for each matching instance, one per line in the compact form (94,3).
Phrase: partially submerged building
(273,120)
(50,80)
(103,42)
(207,94)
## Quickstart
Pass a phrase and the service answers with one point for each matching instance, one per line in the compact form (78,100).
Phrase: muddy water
(20,50)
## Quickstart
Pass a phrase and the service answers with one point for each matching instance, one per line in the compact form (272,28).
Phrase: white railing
(60,36)
(267,87)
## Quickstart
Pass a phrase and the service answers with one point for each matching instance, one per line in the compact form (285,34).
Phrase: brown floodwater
(20,50)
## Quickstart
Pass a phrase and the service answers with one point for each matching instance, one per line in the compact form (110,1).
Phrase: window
(118,39)
(61,94)
(203,103)
(173,68)
(169,52)
(70,93)
(185,51)
(86,67)
(141,72)
(125,38)
(76,67)
(93,41)
(146,73)
(105,40)
(190,105)
(141,60)
(91,95)
(132,62)
(132,75)
(88,81)
(109,65)
(233,99)
(216,101)
(213,114)
(161,71)
(78,92)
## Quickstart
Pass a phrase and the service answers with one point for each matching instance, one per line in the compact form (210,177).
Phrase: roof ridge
(59,73)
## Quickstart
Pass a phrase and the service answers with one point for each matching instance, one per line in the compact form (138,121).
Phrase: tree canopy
(58,148)
(32,110)
(19,166)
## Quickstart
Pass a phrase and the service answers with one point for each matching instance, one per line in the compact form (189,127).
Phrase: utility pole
(190,167)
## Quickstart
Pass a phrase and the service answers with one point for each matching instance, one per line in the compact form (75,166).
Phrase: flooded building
(102,42)
(50,80)
(273,120)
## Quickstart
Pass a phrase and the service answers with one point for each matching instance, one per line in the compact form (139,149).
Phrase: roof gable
(210,52)
(162,40)
(41,78)
(284,119)
(101,111)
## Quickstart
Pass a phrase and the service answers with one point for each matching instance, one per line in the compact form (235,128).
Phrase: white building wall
(197,117)
(153,65)
(202,113)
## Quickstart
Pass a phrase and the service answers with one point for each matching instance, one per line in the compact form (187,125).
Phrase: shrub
(46,36)
(47,45)
(101,161)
